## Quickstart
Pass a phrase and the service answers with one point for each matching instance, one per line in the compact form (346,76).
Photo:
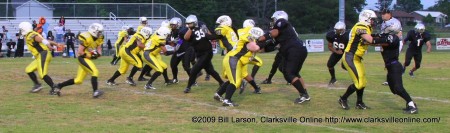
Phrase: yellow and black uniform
(227,37)
(129,54)
(121,39)
(152,57)
(85,62)
(40,64)
(354,52)
(255,59)
(138,30)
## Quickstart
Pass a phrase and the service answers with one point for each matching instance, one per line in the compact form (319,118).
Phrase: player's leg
(408,58)
(293,63)
(137,63)
(233,70)
(152,61)
(43,61)
(417,61)
(257,64)
(201,59)
(30,72)
(395,78)
(174,61)
(209,68)
(123,68)
(359,80)
(332,61)
(274,68)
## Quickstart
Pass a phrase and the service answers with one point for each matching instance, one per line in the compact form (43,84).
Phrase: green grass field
(167,109)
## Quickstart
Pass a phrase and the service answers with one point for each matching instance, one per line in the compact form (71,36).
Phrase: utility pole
(342,11)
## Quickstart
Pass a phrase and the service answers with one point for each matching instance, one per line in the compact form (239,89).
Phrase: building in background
(32,9)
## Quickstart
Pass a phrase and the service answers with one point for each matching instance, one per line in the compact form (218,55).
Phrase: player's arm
(428,46)
(49,44)
(188,34)
(139,43)
(330,47)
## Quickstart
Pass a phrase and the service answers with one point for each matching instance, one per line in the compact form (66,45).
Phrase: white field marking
(387,93)
(228,108)
(421,98)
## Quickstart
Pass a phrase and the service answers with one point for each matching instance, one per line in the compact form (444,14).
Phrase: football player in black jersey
(390,55)
(199,36)
(292,50)
(337,40)
(417,38)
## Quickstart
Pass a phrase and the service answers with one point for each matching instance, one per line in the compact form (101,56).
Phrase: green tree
(408,5)
(383,4)
(428,19)
(442,6)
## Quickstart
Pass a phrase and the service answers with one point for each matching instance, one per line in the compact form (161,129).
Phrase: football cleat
(56,90)
(361,106)
(332,81)
(36,88)
(411,110)
(385,83)
(257,90)
(187,90)
(302,98)
(217,97)
(267,81)
(175,81)
(242,87)
(97,93)
(207,77)
(130,81)
(111,83)
(149,86)
(169,82)
(411,73)
(229,103)
(343,103)
(142,79)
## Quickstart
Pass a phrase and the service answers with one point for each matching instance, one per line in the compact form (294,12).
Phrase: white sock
(411,104)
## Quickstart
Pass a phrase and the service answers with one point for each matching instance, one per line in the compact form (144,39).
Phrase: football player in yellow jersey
(255,60)
(226,35)
(143,23)
(122,38)
(129,54)
(152,56)
(360,39)
(39,48)
(234,62)
(90,48)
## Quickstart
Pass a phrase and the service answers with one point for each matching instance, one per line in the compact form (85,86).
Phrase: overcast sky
(425,3)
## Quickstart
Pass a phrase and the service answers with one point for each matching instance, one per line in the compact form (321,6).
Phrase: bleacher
(111,27)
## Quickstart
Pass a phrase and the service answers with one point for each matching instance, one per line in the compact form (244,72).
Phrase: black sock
(114,58)
(216,76)
(116,75)
(153,78)
(117,60)
(253,84)
(94,83)
(223,88)
(66,83)
(254,71)
(33,78)
(298,85)
(332,73)
(144,71)
(166,78)
(133,71)
(48,80)
(350,90)
(230,91)
(359,95)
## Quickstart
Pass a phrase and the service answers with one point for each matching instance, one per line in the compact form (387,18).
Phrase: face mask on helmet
(392,27)
(146,32)
(175,23)
(143,20)
(96,30)
(255,33)
(420,28)
(339,28)
(25,28)
(248,23)
(163,32)
(191,21)
(224,20)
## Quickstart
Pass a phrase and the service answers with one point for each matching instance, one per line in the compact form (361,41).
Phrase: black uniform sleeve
(409,36)
(427,37)
(330,36)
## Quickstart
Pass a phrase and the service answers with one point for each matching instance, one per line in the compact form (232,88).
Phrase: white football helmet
(392,27)
(192,19)
(339,28)
(256,32)
(420,28)
(279,15)
(249,23)
(25,28)
(163,32)
(176,21)
(224,20)
(146,32)
(95,29)
(125,27)
(367,17)
(165,23)
(143,20)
